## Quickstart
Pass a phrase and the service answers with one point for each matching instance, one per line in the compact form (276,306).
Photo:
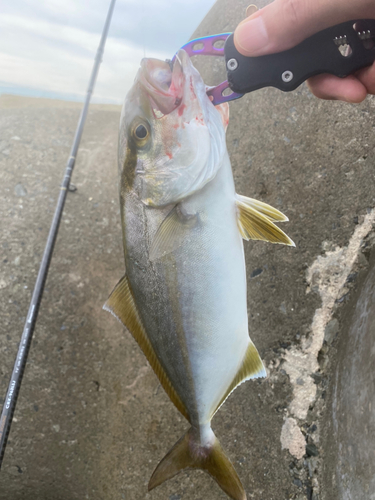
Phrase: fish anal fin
(189,453)
(172,232)
(251,367)
(254,225)
(122,305)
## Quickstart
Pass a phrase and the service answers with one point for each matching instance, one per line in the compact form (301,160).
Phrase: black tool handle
(324,52)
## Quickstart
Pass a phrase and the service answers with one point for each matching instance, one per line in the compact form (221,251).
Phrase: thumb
(285,23)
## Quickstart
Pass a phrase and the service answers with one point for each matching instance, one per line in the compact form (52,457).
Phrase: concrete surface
(92,421)
(349,465)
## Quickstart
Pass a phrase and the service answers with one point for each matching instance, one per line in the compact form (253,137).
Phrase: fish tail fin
(188,452)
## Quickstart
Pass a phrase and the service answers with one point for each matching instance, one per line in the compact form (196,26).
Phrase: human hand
(285,23)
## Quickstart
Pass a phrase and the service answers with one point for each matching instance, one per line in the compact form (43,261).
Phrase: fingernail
(251,36)
(251,9)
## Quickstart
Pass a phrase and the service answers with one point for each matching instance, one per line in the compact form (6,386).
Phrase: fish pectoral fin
(251,367)
(255,221)
(122,305)
(172,232)
(271,213)
(189,453)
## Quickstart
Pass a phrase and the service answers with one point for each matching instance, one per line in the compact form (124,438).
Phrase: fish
(183,296)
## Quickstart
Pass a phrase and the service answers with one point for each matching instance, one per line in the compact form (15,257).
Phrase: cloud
(50,46)
(57,58)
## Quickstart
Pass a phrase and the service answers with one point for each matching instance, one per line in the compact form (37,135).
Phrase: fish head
(172,138)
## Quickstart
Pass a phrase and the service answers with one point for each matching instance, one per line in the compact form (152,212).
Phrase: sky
(47,48)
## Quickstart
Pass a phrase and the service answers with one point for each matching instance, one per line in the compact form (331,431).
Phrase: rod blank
(28,330)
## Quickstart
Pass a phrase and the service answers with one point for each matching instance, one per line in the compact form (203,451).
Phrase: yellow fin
(254,225)
(252,367)
(172,232)
(271,213)
(122,305)
(189,453)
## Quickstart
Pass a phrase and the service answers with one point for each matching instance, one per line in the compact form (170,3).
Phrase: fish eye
(141,132)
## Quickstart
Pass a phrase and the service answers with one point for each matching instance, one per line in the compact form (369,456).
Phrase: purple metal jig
(205,46)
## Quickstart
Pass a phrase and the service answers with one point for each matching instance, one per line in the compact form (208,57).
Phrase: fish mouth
(163,82)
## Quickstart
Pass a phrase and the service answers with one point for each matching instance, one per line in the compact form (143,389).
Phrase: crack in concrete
(327,276)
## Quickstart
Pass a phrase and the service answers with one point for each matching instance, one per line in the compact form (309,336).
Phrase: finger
(367,77)
(285,23)
(348,89)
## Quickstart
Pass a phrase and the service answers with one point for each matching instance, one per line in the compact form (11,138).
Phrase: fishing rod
(28,330)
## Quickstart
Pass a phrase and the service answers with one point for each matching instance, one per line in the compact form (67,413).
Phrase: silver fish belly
(197,293)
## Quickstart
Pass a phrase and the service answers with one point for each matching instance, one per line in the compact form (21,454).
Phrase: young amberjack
(183,297)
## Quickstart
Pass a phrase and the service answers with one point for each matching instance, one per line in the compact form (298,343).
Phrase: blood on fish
(181,109)
(199,119)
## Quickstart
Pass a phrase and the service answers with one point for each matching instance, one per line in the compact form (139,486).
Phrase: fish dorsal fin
(255,222)
(172,232)
(271,213)
(252,367)
(122,305)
